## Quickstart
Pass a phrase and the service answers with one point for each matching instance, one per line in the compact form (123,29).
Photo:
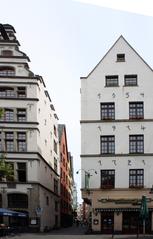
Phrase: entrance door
(107,222)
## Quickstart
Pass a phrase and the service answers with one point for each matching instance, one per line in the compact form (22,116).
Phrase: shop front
(122,220)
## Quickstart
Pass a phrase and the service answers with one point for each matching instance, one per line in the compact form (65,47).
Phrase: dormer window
(120,57)
(7,71)
(7,53)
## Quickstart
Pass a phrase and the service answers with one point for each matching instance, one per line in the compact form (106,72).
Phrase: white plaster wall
(46,119)
(32,170)
(93,92)
(91,133)
(94,85)
(121,165)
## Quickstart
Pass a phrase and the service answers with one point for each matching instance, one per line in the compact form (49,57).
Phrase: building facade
(116,145)
(28,140)
(65,178)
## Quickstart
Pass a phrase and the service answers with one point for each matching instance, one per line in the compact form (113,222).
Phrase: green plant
(6,169)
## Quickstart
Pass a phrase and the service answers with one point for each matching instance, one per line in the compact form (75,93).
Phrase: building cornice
(19,99)
(20,77)
(9,43)
(28,153)
(19,83)
(17,122)
(20,128)
(14,62)
(115,121)
(116,189)
(114,155)
(15,57)
(31,183)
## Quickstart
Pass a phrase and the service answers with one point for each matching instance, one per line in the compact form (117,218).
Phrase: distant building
(75,197)
(28,140)
(116,140)
(66,178)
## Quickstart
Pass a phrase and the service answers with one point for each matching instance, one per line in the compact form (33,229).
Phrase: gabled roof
(110,50)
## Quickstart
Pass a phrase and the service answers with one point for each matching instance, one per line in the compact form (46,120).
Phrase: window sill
(107,119)
(111,86)
(136,153)
(130,85)
(120,61)
(107,187)
(136,187)
(137,118)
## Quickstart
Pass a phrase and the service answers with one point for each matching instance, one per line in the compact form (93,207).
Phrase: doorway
(107,222)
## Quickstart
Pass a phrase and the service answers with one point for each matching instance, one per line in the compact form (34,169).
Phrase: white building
(28,139)
(116,139)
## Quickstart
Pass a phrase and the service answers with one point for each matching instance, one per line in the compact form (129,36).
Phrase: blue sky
(65,39)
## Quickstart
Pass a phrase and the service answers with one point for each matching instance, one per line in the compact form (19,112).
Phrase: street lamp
(87,176)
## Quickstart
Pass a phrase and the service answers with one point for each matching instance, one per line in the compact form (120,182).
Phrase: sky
(65,39)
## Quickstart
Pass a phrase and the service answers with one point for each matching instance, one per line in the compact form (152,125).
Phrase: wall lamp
(87,176)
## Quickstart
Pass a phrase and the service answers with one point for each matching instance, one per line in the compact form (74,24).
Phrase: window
(21,142)
(55,133)
(9,141)
(55,186)
(63,148)
(21,92)
(107,111)
(56,206)
(108,144)
(17,200)
(55,164)
(21,172)
(111,80)
(7,92)
(136,144)
(136,110)
(11,176)
(7,71)
(120,57)
(21,115)
(136,178)
(130,80)
(55,146)
(107,178)
(47,200)
(7,115)
(64,176)
(63,161)
(7,53)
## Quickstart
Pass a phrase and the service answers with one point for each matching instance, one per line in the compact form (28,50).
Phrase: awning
(10,213)
(120,209)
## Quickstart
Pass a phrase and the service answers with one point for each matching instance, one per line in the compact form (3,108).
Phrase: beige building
(116,140)
(28,140)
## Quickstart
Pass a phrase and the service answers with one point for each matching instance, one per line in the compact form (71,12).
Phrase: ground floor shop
(123,221)
(118,210)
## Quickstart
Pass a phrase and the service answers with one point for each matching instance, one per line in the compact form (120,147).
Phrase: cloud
(144,7)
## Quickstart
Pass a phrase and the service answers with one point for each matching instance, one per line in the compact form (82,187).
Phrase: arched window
(7,71)
(7,53)
(17,200)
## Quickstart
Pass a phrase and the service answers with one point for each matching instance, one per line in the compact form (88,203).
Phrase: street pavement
(72,233)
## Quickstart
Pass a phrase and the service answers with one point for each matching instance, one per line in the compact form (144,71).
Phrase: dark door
(107,222)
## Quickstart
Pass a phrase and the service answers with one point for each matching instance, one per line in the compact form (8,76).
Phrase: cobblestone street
(72,233)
